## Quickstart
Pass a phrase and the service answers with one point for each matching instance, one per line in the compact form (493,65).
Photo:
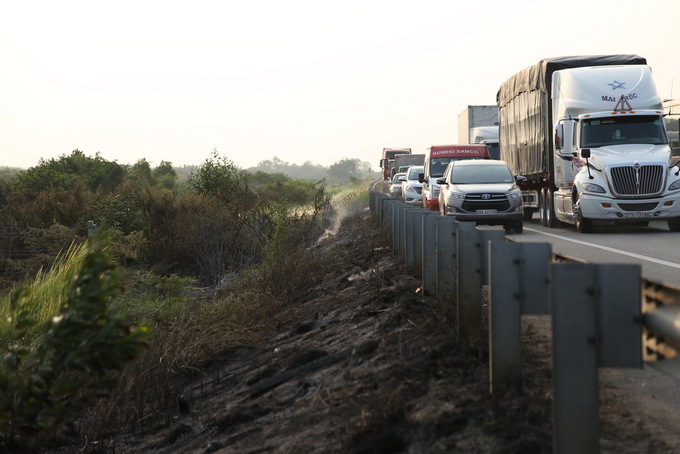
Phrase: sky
(301,80)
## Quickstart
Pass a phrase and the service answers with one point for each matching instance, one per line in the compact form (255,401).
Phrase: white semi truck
(479,125)
(588,133)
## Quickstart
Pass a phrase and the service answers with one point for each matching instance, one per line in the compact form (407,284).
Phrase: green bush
(37,381)
(66,171)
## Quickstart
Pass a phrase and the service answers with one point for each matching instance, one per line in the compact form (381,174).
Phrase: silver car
(411,188)
(395,185)
(482,191)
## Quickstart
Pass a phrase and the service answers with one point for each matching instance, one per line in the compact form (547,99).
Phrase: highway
(654,248)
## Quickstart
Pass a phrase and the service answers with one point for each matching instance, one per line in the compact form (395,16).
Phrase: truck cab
(612,157)
(437,159)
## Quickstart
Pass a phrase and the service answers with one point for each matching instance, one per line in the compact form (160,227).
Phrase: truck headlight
(457,196)
(514,195)
(675,185)
(592,187)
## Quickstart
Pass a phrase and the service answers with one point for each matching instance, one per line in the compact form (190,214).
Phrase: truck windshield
(644,129)
(438,166)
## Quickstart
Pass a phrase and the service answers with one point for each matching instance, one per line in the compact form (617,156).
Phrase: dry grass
(241,314)
(150,387)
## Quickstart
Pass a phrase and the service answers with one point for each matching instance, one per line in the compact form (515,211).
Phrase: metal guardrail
(602,315)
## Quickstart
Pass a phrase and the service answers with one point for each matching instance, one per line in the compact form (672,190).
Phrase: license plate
(638,215)
(486,211)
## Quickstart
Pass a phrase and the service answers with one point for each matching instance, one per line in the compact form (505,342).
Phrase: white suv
(482,191)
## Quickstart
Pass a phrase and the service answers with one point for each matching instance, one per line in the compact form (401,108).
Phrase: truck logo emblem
(636,167)
(616,85)
(486,196)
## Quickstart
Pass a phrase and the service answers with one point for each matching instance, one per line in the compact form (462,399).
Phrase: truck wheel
(541,207)
(582,224)
(528,214)
(550,219)
(674,224)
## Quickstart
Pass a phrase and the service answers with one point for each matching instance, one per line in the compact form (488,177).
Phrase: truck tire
(528,214)
(582,224)
(550,218)
(541,207)
(674,224)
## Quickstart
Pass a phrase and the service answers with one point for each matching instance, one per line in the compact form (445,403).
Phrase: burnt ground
(374,366)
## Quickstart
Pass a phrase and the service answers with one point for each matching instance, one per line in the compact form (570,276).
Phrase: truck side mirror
(559,136)
(585,153)
(421,177)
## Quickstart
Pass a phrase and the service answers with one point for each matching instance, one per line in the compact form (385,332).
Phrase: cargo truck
(479,125)
(387,154)
(404,161)
(588,134)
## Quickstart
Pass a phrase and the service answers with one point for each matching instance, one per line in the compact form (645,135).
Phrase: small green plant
(37,380)
(150,298)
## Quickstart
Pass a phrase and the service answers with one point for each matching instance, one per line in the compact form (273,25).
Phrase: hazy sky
(300,80)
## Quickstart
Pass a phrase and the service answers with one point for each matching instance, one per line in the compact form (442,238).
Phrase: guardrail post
(446,264)
(620,313)
(429,274)
(387,213)
(418,240)
(469,280)
(487,237)
(518,284)
(595,309)
(398,229)
(378,214)
(406,234)
(575,384)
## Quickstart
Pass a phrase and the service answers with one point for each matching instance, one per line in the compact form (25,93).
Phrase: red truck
(388,154)
(436,160)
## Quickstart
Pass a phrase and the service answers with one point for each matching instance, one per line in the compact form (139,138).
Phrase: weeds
(85,337)
(216,225)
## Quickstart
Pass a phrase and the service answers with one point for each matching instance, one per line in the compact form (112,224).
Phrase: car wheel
(528,214)
(513,228)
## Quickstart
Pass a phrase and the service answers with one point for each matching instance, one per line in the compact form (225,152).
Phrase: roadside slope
(369,365)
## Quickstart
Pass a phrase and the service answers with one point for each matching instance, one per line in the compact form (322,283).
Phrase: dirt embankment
(371,366)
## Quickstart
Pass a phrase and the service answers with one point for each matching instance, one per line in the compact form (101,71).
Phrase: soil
(375,366)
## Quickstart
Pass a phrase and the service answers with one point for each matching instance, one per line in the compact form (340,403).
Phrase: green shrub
(37,381)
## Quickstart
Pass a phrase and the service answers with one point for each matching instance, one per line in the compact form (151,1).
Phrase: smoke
(336,215)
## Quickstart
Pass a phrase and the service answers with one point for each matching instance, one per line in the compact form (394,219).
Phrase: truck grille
(649,206)
(637,180)
(486,201)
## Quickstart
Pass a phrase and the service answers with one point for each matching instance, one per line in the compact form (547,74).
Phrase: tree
(141,173)
(66,171)
(165,175)
(219,177)
(347,170)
